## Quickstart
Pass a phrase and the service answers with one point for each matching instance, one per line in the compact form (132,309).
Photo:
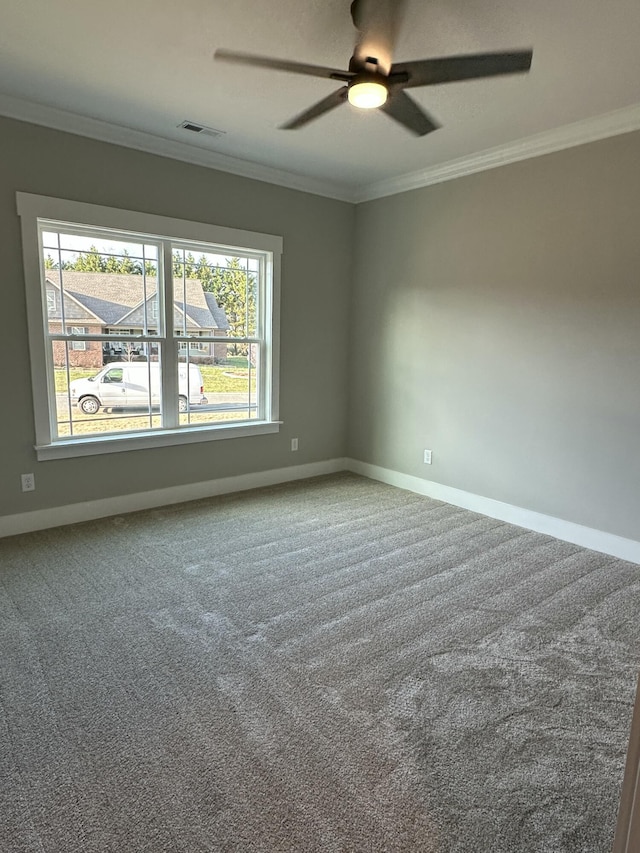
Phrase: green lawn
(226,378)
(74,373)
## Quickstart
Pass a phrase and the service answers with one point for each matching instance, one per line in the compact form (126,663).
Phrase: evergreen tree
(128,266)
(89,262)
(234,290)
(178,266)
(112,264)
(184,265)
(190,266)
(203,271)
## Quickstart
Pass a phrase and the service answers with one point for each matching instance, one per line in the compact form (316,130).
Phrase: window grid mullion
(263,357)
(168,346)
(60,336)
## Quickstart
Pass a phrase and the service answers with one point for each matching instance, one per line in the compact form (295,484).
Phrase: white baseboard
(577,534)
(57,516)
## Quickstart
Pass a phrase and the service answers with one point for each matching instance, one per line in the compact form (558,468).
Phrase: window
(145,330)
(116,374)
(77,330)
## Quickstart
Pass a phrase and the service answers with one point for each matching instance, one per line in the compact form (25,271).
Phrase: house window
(51,302)
(184,312)
(77,345)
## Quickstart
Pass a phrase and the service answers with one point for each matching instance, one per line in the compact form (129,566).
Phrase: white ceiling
(146,66)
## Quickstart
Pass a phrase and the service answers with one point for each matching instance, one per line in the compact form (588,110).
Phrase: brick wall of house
(89,357)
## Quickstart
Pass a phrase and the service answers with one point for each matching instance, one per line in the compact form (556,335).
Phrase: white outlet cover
(28,482)
(427,457)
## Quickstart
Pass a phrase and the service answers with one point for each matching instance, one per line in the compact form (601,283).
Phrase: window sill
(65,449)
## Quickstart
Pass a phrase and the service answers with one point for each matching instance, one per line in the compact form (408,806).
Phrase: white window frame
(32,208)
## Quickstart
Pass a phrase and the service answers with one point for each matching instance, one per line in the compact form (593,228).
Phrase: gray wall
(497,322)
(494,319)
(316,274)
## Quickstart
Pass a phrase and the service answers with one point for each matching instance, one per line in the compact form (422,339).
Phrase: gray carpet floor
(332,665)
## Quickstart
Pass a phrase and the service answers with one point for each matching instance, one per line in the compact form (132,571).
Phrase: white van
(125,384)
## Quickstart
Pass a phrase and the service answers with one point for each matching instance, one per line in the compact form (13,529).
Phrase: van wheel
(182,403)
(90,405)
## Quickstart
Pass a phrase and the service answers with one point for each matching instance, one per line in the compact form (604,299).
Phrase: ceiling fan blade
(333,100)
(378,23)
(281,65)
(403,109)
(448,69)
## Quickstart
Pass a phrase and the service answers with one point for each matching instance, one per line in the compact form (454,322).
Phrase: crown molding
(103,131)
(568,136)
(610,124)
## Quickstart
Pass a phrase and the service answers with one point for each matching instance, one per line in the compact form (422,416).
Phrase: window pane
(117,397)
(229,386)
(111,285)
(215,294)
(50,240)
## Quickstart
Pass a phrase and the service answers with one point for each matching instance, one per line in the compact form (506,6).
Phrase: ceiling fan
(373,80)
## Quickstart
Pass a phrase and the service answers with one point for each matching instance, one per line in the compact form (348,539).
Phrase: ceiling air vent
(201,129)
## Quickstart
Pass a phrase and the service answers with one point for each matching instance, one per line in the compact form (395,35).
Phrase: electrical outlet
(427,457)
(28,482)
(294,443)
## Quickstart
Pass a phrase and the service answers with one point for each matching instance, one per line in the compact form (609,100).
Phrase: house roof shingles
(114,297)
(218,314)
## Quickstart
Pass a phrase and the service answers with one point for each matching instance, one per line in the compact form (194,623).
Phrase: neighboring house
(115,304)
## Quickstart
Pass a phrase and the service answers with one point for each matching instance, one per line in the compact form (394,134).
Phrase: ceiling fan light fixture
(367,94)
